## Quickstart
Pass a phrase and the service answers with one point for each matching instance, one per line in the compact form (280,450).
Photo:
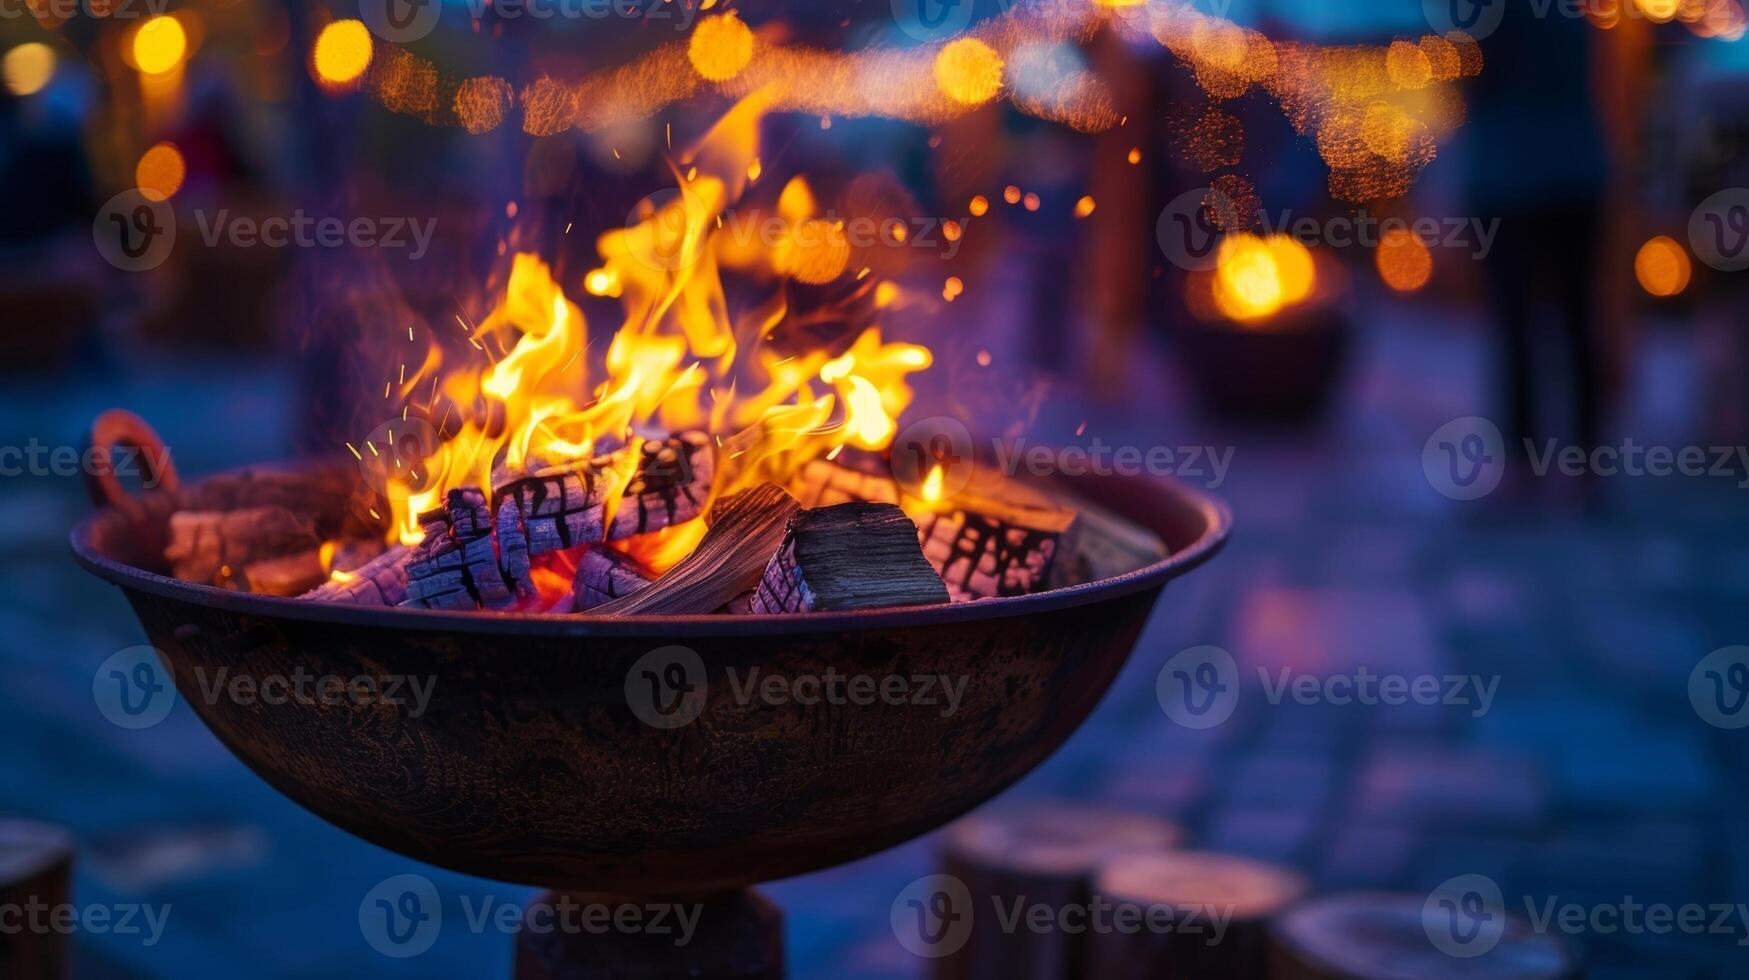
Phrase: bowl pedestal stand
(737,936)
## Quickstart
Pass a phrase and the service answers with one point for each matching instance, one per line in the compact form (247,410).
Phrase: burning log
(848,556)
(287,575)
(211,547)
(824,482)
(671,485)
(986,546)
(382,581)
(605,575)
(745,531)
(456,566)
(553,509)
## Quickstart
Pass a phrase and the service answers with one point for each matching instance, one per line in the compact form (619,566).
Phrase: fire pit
(531,764)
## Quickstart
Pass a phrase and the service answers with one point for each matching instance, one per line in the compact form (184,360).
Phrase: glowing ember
(969,71)
(160,171)
(342,52)
(1404,263)
(1662,267)
(721,47)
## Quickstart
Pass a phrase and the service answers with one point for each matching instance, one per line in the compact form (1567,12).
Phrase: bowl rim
(1217,525)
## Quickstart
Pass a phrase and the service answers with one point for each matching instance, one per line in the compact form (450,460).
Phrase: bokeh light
(1662,267)
(28,67)
(160,172)
(1404,263)
(969,71)
(1248,283)
(342,52)
(721,47)
(159,46)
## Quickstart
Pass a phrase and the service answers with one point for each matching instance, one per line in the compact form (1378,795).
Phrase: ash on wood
(1043,854)
(36,869)
(736,936)
(1382,936)
(382,581)
(605,575)
(848,556)
(671,485)
(212,547)
(456,566)
(987,546)
(1192,888)
(745,531)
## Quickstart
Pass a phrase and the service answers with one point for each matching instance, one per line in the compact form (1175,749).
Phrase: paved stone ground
(1590,778)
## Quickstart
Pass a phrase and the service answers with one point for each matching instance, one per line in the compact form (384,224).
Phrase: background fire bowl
(529,764)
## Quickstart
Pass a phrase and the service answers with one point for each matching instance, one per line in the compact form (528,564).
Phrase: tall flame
(676,360)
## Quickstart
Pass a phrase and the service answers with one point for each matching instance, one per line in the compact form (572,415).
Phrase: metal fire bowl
(530,764)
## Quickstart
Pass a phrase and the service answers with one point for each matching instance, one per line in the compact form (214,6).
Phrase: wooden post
(1044,854)
(1204,915)
(1376,936)
(738,936)
(36,870)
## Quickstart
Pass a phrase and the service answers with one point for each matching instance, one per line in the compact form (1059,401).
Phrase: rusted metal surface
(530,762)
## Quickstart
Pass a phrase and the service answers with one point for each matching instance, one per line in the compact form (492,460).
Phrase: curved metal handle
(118,428)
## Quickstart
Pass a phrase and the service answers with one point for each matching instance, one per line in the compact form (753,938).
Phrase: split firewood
(986,546)
(858,478)
(1103,545)
(745,531)
(1045,853)
(848,556)
(671,485)
(456,566)
(605,575)
(554,509)
(287,575)
(213,547)
(1191,885)
(382,581)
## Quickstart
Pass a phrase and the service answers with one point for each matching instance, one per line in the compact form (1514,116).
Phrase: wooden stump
(739,936)
(1043,854)
(36,870)
(1204,916)
(1383,936)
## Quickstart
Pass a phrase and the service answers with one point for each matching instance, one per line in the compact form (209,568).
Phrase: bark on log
(1182,897)
(1374,936)
(1043,854)
(212,547)
(380,582)
(605,575)
(671,485)
(848,556)
(745,531)
(456,566)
